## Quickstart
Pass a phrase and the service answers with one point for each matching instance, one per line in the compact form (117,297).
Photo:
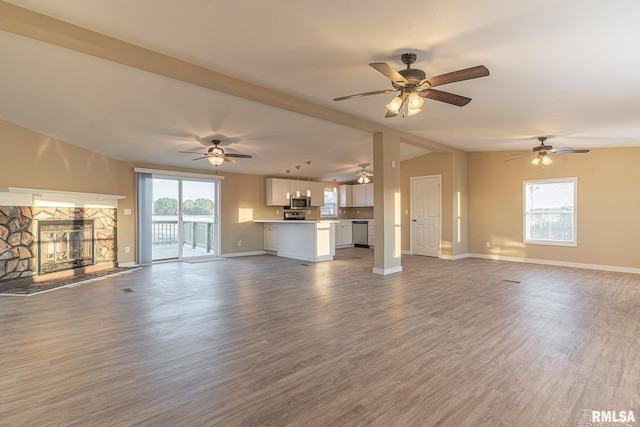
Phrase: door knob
(414,220)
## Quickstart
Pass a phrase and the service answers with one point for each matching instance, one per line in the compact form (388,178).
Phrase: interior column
(386,203)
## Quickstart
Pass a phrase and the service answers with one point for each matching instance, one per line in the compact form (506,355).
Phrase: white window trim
(336,203)
(574,243)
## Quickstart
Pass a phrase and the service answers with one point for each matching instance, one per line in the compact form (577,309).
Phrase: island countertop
(308,240)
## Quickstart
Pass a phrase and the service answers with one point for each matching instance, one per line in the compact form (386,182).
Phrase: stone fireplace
(40,240)
(64,244)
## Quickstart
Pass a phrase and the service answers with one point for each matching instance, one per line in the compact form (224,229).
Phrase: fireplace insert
(64,244)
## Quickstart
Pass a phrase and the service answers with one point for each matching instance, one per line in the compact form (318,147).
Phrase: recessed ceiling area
(563,69)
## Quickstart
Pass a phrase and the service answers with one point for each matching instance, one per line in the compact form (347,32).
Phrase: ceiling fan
(541,153)
(216,155)
(414,86)
(363,175)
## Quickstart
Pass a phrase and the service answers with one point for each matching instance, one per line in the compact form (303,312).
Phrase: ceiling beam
(37,26)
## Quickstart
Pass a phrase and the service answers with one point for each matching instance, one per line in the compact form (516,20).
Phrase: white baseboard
(559,263)
(454,257)
(235,254)
(407,252)
(385,271)
(127,264)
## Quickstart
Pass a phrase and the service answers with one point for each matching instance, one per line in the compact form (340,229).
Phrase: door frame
(411,226)
(180,176)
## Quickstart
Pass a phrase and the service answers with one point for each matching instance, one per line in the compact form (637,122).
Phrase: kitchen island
(308,240)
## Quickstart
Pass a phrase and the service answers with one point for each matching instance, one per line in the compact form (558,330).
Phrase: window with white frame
(550,216)
(330,207)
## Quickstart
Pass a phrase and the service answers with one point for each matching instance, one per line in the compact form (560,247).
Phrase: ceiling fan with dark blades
(541,153)
(216,155)
(414,86)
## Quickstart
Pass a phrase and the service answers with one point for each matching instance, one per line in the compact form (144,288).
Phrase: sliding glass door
(165,236)
(199,219)
(184,218)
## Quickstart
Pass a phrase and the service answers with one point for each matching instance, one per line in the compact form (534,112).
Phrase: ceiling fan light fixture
(395,105)
(216,160)
(536,161)
(413,111)
(546,160)
(415,100)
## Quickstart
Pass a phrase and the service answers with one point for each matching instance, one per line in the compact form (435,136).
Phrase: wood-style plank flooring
(267,341)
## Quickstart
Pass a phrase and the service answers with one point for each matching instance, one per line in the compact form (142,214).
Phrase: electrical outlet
(277,211)
(127,211)
(127,249)
(488,244)
(239,242)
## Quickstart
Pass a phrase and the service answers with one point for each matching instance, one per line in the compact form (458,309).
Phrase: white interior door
(426,218)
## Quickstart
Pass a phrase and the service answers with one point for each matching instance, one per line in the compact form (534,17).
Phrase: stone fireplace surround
(24,209)
(19,232)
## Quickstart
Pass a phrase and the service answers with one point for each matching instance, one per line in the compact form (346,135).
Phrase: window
(550,211)
(330,207)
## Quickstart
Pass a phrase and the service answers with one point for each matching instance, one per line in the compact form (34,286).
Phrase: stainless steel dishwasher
(360,234)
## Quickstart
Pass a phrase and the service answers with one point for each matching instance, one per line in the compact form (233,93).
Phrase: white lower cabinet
(270,237)
(344,236)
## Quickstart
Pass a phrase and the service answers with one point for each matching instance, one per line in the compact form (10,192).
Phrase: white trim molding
(14,196)
(614,268)
(161,172)
(385,271)
(237,254)
(454,257)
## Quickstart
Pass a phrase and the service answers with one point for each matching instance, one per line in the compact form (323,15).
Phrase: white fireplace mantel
(14,196)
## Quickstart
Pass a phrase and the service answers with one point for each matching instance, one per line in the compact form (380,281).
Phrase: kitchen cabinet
(276,191)
(370,235)
(270,237)
(344,234)
(362,194)
(345,196)
(311,240)
(368,194)
(317,193)
(359,195)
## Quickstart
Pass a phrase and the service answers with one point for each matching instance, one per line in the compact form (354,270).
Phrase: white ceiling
(564,68)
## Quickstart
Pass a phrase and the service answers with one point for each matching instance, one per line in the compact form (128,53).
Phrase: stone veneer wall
(19,236)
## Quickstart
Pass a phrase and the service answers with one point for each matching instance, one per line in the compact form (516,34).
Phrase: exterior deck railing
(197,234)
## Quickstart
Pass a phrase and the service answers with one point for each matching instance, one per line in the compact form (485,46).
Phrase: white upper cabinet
(359,195)
(346,196)
(276,191)
(368,194)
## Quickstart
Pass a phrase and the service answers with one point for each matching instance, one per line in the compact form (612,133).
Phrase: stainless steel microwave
(300,203)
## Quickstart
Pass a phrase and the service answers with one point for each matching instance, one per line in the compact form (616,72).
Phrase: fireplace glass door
(65,244)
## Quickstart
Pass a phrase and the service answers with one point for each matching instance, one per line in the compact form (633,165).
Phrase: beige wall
(32,160)
(429,164)
(608,206)
(608,199)
(45,163)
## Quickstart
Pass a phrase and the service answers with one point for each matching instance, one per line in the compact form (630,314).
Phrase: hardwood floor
(267,341)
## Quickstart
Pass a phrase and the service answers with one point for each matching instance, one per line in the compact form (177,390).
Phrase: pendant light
(298,191)
(308,183)
(288,171)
